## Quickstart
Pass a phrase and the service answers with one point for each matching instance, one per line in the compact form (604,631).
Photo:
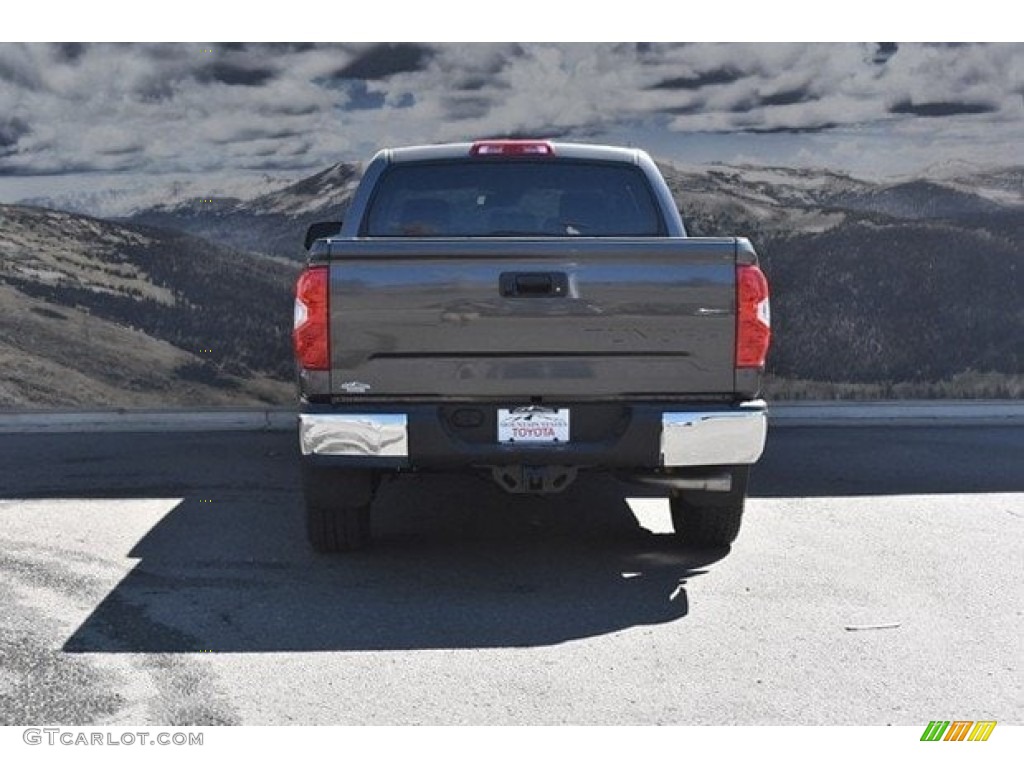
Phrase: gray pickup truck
(526,309)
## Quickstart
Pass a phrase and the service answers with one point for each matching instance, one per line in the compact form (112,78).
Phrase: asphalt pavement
(164,578)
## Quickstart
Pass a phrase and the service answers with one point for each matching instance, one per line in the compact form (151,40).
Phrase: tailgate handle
(534,284)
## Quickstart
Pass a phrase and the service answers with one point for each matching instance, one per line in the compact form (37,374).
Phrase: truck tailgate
(520,318)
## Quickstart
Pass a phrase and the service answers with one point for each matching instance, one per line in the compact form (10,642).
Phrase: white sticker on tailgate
(533,424)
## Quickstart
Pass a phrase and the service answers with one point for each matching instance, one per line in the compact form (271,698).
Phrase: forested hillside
(100,313)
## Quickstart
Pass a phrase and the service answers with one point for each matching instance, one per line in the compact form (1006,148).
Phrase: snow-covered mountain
(271,222)
(1004,186)
(324,193)
(786,200)
(109,199)
(270,215)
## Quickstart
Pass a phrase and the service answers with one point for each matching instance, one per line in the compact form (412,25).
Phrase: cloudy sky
(101,114)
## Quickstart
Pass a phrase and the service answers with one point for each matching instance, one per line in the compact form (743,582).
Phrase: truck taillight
(512,147)
(310,334)
(753,317)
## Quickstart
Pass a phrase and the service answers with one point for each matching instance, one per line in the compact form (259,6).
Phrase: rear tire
(710,519)
(338,507)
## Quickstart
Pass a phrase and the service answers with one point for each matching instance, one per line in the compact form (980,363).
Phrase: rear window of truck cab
(521,198)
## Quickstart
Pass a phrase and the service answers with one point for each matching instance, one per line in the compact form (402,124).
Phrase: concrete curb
(908,413)
(813,414)
(170,420)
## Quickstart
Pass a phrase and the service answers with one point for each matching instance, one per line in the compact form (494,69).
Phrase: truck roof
(561,149)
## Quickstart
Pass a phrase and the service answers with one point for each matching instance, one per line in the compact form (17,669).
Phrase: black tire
(338,507)
(710,519)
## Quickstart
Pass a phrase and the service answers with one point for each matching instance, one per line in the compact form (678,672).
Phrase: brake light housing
(753,317)
(311,330)
(512,147)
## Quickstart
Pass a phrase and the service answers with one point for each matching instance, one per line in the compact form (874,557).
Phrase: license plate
(533,424)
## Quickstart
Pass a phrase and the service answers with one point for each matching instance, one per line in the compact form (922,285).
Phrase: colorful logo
(958,730)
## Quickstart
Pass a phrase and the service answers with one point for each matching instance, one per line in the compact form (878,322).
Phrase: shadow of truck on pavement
(456,564)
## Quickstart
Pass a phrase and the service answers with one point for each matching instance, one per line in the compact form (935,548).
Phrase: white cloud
(205,109)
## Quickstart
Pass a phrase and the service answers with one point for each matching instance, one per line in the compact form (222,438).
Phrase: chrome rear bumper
(702,438)
(354,434)
(697,438)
